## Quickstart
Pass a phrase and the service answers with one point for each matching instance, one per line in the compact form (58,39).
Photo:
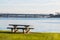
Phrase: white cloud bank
(30,6)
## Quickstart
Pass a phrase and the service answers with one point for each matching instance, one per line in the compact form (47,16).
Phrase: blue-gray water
(39,24)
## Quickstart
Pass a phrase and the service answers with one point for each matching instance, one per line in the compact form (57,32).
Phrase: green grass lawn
(32,36)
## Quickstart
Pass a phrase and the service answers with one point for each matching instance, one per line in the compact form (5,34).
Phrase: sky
(30,6)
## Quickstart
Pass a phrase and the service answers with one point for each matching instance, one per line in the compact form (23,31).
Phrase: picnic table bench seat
(18,28)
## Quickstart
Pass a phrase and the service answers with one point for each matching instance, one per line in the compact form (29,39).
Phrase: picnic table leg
(23,30)
(27,31)
(15,30)
(11,30)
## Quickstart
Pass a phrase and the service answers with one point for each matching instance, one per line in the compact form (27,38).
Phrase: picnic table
(15,28)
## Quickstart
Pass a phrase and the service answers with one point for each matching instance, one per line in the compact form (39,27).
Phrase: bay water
(39,24)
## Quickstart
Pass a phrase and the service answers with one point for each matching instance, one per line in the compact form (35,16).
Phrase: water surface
(39,24)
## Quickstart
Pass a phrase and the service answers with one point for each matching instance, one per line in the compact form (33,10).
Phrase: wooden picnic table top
(17,25)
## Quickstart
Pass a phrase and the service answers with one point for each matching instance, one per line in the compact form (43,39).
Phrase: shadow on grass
(8,32)
(11,32)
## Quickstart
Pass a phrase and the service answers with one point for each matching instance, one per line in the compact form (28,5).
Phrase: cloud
(30,6)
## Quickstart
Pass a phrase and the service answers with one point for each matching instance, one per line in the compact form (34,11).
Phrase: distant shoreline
(29,16)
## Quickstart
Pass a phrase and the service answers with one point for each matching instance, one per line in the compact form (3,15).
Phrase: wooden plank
(17,25)
(18,28)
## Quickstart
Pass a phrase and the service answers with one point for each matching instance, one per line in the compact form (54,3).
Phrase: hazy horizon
(30,6)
